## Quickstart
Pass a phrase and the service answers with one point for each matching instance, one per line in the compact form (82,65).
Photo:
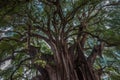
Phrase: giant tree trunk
(70,65)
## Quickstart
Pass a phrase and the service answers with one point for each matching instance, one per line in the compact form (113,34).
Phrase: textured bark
(70,69)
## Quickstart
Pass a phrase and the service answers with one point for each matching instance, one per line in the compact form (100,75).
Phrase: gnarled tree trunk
(69,67)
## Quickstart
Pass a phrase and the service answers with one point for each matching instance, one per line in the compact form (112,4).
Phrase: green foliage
(41,62)
(103,26)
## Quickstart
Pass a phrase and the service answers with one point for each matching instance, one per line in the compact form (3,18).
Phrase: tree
(60,39)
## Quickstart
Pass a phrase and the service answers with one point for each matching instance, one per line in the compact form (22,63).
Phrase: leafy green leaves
(100,26)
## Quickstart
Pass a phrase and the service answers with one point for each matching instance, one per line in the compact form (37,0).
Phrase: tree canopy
(59,40)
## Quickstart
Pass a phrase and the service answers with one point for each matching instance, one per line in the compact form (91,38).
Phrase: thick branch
(97,51)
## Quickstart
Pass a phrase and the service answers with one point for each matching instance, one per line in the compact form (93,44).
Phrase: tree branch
(18,66)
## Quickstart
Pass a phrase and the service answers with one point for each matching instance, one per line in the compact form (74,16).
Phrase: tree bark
(68,68)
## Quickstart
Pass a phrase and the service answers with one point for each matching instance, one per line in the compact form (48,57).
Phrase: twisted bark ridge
(67,34)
